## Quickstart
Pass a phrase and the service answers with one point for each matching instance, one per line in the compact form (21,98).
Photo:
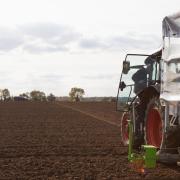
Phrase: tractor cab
(139,71)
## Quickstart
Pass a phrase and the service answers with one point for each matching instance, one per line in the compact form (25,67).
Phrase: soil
(102,110)
(41,140)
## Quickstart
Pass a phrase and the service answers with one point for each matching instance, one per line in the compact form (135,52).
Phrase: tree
(5,94)
(76,94)
(37,95)
(51,97)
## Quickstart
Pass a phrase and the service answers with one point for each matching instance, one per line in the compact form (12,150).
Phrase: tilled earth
(53,141)
(102,110)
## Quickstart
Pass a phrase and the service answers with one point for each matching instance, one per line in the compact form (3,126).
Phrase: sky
(54,45)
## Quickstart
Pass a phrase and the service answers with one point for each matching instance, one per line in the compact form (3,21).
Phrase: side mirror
(122,85)
(126,67)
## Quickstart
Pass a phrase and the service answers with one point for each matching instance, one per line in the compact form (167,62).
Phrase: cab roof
(171,25)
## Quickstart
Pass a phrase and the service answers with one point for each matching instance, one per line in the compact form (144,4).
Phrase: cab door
(126,94)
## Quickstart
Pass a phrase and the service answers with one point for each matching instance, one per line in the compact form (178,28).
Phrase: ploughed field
(66,141)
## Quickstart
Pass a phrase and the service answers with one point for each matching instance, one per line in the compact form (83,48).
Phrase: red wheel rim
(124,129)
(154,128)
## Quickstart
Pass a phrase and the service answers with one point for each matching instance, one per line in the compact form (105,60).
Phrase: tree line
(75,94)
(34,95)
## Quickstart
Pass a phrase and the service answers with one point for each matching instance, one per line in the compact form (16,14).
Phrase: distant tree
(5,94)
(76,94)
(37,95)
(51,97)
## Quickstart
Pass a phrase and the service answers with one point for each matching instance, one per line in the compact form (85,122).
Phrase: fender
(149,92)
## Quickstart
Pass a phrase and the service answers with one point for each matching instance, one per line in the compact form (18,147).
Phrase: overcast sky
(53,45)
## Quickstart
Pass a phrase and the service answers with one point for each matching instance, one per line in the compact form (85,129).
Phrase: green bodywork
(148,154)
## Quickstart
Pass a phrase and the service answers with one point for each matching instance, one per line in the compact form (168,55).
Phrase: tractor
(149,95)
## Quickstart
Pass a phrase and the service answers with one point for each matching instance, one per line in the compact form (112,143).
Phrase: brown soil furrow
(91,115)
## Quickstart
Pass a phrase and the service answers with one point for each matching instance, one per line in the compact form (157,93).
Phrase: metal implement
(146,158)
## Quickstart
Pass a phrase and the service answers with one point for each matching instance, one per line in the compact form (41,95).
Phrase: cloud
(125,42)
(9,39)
(93,43)
(37,38)
(50,32)
(48,37)
(43,30)
(148,41)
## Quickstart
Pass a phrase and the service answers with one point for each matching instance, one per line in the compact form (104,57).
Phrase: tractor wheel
(124,128)
(154,123)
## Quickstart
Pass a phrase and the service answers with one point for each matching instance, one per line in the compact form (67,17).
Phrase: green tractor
(149,96)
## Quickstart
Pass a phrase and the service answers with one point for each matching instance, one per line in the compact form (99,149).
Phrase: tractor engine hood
(170,75)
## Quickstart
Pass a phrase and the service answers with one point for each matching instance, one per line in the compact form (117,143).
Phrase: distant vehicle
(19,98)
(150,89)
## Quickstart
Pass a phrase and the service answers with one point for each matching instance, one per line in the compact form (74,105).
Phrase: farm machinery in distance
(149,96)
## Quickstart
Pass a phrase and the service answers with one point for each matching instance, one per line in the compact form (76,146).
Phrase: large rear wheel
(154,124)
(124,128)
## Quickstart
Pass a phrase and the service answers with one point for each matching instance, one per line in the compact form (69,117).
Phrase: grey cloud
(127,42)
(53,37)
(9,39)
(137,42)
(51,32)
(38,38)
(92,43)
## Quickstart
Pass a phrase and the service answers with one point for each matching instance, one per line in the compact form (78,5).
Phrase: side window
(158,71)
(155,73)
